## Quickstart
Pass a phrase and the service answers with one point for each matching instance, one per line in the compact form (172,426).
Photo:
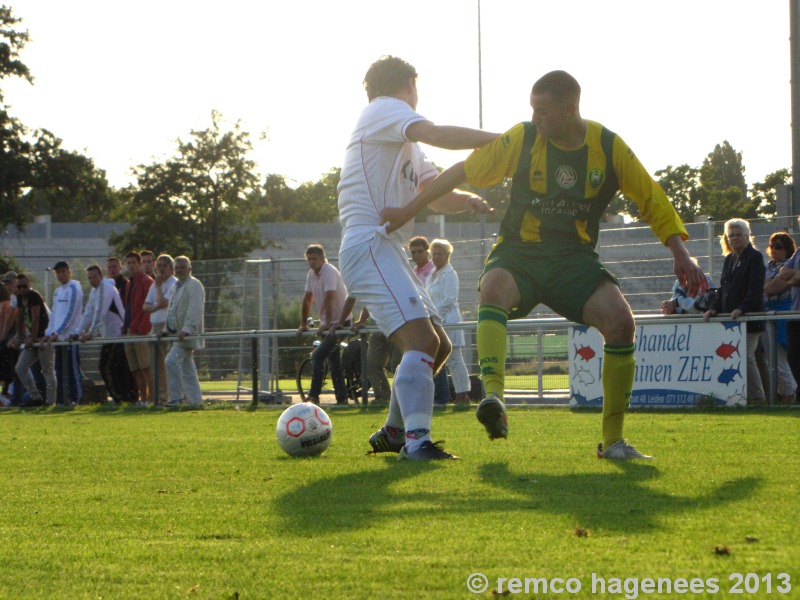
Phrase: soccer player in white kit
(384,167)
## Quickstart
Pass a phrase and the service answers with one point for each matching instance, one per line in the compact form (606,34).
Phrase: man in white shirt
(326,290)
(157,303)
(384,168)
(64,320)
(104,317)
(185,317)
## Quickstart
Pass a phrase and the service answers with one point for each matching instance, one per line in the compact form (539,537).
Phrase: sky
(122,82)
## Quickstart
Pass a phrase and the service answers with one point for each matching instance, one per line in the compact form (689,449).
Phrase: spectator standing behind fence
(185,317)
(682,303)
(66,316)
(8,317)
(741,291)
(33,317)
(121,373)
(157,303)
(137,323)
(778,297)
(443,287)
(148,263)
(104,317)
(790,273)
(423,267)
(326,290)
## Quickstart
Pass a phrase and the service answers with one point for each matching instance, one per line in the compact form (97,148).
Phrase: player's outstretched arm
(450,137)
(444,183)
(689,274)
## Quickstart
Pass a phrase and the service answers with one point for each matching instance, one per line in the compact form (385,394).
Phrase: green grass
(127,503)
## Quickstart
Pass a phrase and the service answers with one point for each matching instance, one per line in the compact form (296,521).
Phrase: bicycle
(351,368)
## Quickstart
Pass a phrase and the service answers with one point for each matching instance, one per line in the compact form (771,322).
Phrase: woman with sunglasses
(777,297)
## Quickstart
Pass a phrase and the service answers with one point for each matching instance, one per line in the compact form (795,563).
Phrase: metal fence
(245,296)
(536,372)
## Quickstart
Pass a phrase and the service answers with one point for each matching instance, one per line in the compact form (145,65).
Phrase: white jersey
(382,169)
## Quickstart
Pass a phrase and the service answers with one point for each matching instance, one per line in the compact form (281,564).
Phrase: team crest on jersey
(566,177)
(596,177)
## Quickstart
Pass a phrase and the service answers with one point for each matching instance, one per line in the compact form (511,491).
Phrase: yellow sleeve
(489,165)
(637,184)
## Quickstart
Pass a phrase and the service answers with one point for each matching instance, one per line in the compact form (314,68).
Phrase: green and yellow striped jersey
(559,194)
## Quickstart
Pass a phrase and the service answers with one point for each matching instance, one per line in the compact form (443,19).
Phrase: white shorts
(379,276)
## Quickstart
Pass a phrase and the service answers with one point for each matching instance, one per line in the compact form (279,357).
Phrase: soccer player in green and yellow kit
(564,170)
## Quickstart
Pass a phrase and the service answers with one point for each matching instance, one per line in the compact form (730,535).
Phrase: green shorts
(557,275)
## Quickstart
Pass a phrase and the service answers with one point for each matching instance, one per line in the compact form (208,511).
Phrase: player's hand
(736,313)
(477,206)
(667,307)
(302,329)
(690,276)
(708,314)
(357,326)
(395,218)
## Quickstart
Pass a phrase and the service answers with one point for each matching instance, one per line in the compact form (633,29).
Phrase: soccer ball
(304,430)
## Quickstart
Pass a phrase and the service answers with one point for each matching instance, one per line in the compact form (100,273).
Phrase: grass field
(150,503)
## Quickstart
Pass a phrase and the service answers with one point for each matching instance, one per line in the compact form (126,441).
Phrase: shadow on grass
(356,500)
(616,501)
(608,500)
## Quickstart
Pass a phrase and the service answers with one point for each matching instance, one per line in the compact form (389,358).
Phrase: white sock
(413,381)
(394,427)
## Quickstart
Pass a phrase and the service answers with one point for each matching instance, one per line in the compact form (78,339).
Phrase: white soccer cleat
(621,450)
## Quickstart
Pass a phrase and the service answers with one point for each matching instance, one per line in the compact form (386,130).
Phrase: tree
(278,202)
(36,174)
(763,192)
(723,187)
(319,201)
(200,202)
(11,42)
(682,186)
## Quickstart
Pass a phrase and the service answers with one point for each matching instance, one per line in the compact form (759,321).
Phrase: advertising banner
(676,365)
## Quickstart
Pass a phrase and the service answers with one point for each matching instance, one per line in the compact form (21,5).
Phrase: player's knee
(620,328)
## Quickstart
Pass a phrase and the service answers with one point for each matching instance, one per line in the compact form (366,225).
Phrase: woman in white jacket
(442,286)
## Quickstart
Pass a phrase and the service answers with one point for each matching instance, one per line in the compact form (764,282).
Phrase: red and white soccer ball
(304,430)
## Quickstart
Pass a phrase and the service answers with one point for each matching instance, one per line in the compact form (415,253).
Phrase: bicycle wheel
(304,373)
(352,380)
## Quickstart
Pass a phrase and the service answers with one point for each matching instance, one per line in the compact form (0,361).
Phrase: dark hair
(113,259)
(560,84)
(419,240)
(387,75)
(94,268)
(315,249)
(785,239)
(148,253)
(134,254)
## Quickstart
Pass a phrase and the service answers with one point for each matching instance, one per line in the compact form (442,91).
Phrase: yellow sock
(619,365)
(492,345)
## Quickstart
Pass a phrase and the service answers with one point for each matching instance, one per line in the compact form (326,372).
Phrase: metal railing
(264,348)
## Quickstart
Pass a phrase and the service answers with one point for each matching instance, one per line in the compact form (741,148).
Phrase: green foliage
(682,186)
(311,202)
(9,263)
(12,41)
(763,192)
(37,176)
(200,202)
(157,504)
